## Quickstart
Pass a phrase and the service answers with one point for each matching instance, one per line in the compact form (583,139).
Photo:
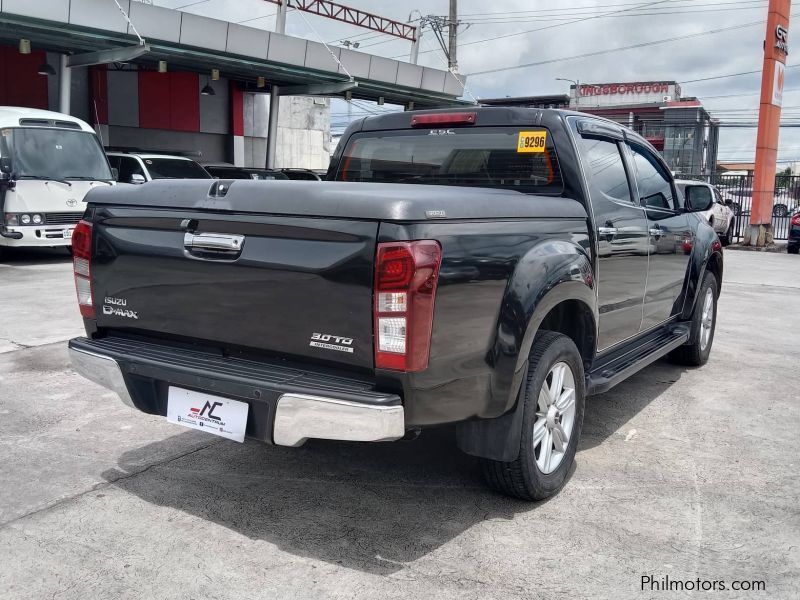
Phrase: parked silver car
(720,215)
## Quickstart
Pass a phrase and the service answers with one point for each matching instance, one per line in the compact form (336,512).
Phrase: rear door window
(522,159)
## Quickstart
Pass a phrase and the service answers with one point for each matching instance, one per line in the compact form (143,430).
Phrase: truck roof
(11,116)
(491,116)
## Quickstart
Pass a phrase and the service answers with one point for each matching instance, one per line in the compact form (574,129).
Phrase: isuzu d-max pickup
(485,267)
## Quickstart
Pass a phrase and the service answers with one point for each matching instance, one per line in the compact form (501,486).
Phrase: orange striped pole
(769,118)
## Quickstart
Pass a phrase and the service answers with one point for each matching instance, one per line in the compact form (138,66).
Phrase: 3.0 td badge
(331,342)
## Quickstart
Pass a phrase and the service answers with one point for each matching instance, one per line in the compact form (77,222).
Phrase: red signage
(606,89)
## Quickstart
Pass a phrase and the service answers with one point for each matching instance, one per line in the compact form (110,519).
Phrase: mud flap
(498,438)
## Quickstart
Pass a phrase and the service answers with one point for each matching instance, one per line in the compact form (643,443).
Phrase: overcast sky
(566,29)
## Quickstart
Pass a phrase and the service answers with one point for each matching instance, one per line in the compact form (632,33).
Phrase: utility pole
(769,120)
(452,61)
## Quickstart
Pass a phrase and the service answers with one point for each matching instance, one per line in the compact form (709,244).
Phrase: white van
(48,163)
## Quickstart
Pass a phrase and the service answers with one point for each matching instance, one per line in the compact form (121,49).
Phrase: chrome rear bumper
(297,416)
(103,370)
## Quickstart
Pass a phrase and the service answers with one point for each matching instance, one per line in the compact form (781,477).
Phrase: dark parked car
(301,174)
(487,267)
(227,172)
(266,174)
(793,246)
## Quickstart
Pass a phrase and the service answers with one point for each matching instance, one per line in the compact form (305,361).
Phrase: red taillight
(796,220)
(457,118)
(406,274)
(82,267)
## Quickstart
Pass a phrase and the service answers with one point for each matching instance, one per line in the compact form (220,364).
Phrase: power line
(499,37)
(592,7)
(619,49)
(654,12)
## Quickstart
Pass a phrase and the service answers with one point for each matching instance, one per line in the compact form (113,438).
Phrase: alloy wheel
(707,319)
(555,417)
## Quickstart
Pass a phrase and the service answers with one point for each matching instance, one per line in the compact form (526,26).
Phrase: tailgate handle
(213,242)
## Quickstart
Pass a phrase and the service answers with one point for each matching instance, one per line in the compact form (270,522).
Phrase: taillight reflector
(406,275)
(82,267)
(456,118)
(796,220)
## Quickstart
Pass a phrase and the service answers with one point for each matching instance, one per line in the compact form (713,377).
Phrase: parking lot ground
(681,473)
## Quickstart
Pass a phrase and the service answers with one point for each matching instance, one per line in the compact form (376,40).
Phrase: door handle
(607,232)
(213,242)
(656,232)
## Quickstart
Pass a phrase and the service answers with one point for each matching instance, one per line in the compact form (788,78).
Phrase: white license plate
(68,234)
(220,416)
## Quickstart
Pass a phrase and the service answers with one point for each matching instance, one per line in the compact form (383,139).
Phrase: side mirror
(115,173)
(5,165)
(729,202)
(698,198)
(138,178)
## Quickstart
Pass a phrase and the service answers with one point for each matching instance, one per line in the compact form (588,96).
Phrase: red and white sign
(614,94)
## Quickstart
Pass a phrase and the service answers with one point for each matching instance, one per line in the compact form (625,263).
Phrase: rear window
(520,159)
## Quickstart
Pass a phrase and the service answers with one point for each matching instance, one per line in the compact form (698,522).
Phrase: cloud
(707,55)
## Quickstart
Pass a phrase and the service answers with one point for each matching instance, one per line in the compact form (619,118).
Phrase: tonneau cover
(371,201)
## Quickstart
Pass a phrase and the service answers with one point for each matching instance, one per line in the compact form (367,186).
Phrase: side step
(620,365)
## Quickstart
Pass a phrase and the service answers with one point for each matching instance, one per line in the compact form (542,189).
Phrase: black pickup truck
(488,267)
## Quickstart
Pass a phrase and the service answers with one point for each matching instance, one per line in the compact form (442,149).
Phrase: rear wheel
(780,210)
(793,249)
(704,320)
(551,422)
(725,238)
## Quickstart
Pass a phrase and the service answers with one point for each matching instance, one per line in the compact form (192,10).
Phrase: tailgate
(286,285)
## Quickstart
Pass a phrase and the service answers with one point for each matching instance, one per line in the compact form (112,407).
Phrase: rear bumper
(287,406)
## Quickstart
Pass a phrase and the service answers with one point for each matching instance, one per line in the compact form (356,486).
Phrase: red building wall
(169,101)
(20,83)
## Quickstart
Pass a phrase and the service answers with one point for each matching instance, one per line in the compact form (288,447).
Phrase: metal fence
(739,190)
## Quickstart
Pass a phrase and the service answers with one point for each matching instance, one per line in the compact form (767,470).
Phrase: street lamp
(577,88)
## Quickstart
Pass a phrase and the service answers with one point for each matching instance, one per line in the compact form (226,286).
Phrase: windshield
(175,168)
(510,158)
(43,153)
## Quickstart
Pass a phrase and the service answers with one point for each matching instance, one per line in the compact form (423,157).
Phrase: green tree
(783,178)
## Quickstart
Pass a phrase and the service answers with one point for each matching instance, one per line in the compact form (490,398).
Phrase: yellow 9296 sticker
(531,141)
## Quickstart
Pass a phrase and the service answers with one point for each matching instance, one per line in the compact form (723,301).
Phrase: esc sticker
(531,141)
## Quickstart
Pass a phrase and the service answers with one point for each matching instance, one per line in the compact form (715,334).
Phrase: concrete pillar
(272,126)
(64,86)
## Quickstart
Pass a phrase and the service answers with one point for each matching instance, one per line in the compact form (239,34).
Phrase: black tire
(693,353)
(780,210)
(522,478)
(725,238)
(793,249)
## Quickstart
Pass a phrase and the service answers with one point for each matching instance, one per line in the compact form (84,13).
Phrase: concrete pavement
(681,473)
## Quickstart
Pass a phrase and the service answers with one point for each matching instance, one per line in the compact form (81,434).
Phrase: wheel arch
(568,308)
